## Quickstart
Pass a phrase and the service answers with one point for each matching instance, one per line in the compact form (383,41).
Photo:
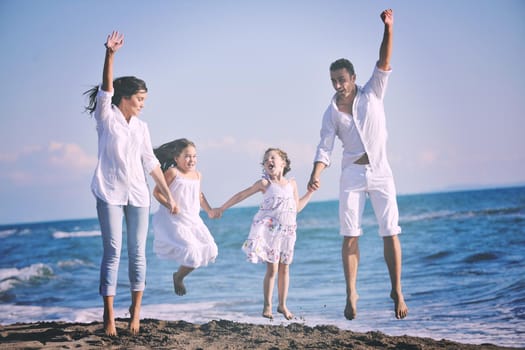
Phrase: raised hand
(115,41)
(387,16)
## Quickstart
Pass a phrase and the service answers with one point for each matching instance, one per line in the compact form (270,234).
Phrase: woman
(125,154)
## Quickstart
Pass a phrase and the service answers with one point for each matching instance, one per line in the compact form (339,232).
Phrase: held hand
(172,206)
(387,16)
(215,213)
(314,184)
(115,41)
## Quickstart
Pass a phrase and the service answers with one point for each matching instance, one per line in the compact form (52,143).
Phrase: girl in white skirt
(182,236)
(272,234)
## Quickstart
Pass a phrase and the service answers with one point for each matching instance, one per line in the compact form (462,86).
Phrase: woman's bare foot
(351,307)
(286,313)
(178,285)
(267,312)
(110,328)
(134,322)
(400,308)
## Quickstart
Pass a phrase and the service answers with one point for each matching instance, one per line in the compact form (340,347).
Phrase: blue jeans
(110,219)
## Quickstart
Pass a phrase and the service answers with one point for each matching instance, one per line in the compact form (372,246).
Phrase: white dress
(183,237)
(272,234)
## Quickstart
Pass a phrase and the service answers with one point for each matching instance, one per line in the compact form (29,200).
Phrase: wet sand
(222,334)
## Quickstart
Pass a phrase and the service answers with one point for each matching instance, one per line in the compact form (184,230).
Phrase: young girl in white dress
(182,236)
(272,234)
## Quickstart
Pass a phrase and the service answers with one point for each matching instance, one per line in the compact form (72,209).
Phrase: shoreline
(217,334)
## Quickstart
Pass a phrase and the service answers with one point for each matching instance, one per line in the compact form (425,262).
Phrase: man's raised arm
(385,51)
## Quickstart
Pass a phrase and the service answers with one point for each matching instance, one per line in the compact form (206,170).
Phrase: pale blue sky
(239,76)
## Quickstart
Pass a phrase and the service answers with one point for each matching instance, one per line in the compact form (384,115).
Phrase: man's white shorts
(358,181)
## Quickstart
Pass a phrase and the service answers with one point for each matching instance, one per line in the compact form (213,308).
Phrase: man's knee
(350,244)
(349,240)
(391,243)
(391,238)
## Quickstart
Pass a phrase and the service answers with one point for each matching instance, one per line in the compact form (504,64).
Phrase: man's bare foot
(134,322)
(351,307)
(286,313)
(267,312)
(400,308)
(178,285)
(110,328)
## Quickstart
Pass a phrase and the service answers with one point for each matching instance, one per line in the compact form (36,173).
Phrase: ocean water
(463,271)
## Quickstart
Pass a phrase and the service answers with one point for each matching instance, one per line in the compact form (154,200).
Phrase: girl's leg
(178,279)
(110,220)
(282,286)
(269,282)
(137,219)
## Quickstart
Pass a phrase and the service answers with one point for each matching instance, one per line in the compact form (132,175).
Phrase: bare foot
(178,285)
(110,328)
(134,322)
(267,312)
(400,308)
(351,307)
(286,313)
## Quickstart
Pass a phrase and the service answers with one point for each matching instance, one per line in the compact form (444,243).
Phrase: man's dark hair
(343,63)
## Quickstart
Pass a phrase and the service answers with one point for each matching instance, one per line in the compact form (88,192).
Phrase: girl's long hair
(167,153)
(123,87)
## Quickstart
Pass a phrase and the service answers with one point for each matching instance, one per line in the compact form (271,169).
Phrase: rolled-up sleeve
(103,107)
(326,144)
(149,161)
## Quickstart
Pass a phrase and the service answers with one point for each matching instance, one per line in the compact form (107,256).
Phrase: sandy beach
(222,334)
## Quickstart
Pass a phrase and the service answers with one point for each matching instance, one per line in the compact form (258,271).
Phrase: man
(356,116)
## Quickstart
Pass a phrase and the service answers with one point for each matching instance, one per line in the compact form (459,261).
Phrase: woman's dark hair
(167,153)
(343,63)
(283,155)
(123,87)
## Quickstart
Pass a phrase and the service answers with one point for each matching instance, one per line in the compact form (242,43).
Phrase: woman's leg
(134,311)
(109,316)
(269,282)
(137,220)
(110,220)
(283,283)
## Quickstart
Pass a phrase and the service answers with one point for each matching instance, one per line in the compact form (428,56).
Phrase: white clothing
(272,234)
(366,127)
(369,118)
(356,149)
(356,183)
(125,154)
(183,237)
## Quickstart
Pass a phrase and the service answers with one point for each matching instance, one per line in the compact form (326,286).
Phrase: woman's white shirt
(125,155)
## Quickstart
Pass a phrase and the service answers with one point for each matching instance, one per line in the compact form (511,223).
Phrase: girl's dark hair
(283,155)
(123,87)
(167,153)
(343,63)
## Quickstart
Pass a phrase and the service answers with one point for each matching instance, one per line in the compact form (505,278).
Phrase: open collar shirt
(366,127)
(125,155)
